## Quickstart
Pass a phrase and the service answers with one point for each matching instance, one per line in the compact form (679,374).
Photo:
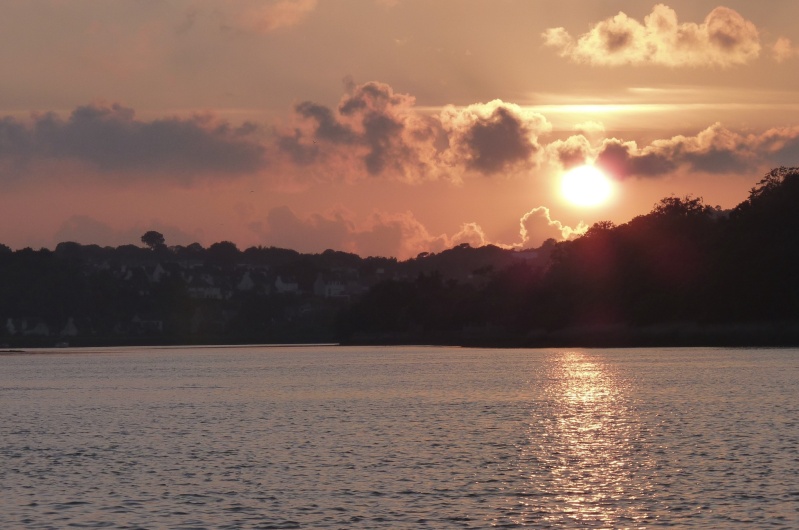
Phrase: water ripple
(400,438)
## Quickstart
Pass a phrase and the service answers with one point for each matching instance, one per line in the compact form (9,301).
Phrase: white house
(286,287)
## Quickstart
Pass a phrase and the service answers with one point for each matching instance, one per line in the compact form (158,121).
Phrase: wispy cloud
(269,16)
(725,38)
(784,49)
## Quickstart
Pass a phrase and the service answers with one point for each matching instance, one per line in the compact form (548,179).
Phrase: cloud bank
(109,138)
(716,150)
(374,132)
(724,39)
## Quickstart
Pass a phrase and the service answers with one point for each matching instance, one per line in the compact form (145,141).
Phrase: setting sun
(586,186)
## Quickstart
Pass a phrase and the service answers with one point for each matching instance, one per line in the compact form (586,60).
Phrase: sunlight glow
(586,186)
(583,453)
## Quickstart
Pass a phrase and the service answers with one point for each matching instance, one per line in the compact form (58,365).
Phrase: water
(335,437)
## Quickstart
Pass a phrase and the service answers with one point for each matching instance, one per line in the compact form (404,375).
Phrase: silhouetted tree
(223,254)
(153,239)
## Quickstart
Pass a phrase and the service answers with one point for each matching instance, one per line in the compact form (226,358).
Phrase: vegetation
(685,273)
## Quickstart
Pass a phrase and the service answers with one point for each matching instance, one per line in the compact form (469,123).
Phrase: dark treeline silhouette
(685,273)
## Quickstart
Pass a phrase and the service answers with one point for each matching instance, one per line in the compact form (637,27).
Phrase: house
(327,286)
(202,287)
(69,330)
(146,325)
(286,286)
(27,327)
(246,283)
(155,274)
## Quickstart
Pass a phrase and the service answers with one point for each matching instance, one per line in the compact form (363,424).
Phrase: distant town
(154,293)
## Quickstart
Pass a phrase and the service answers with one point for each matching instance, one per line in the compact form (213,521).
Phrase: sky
(381,127)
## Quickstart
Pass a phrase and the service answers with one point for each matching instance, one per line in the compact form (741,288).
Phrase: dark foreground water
(334,437)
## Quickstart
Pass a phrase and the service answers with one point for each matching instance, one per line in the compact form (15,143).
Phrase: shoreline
(684,334)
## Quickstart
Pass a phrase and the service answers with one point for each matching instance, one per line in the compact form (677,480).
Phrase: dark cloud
(385,135)
(494,137)
(718,161)
(616,39)
(373,127)
(619,160)
(571,152)
(714,150)
(786,152)
(381,133)
(327,126)
(374,97)
(111,139)
(299,152)
(498,141)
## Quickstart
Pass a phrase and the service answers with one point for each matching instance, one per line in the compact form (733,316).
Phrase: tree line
(684,273)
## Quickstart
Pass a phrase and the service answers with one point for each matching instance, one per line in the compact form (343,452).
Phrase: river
(399,437)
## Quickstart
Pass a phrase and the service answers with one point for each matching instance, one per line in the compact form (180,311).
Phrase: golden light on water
(582,460)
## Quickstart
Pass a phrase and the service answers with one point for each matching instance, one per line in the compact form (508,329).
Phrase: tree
(223,254)
(153,239)
(681,207)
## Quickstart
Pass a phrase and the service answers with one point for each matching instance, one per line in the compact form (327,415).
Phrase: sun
(586,186)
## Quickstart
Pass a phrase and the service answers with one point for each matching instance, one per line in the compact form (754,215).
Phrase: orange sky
(385,127)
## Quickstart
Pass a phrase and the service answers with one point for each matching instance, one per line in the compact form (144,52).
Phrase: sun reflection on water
(583,460)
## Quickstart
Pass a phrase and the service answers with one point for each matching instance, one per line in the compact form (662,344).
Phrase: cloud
(373,132)
(724,39)
(493,137)
(376,131)
(784,49)
(273,15)
(572,152)
(110,139)
(397,234)
(713,150)
(624,159)
(590,128)
(539,221)
(471,233)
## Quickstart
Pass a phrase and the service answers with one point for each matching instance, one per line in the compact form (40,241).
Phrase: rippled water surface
(335,437)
